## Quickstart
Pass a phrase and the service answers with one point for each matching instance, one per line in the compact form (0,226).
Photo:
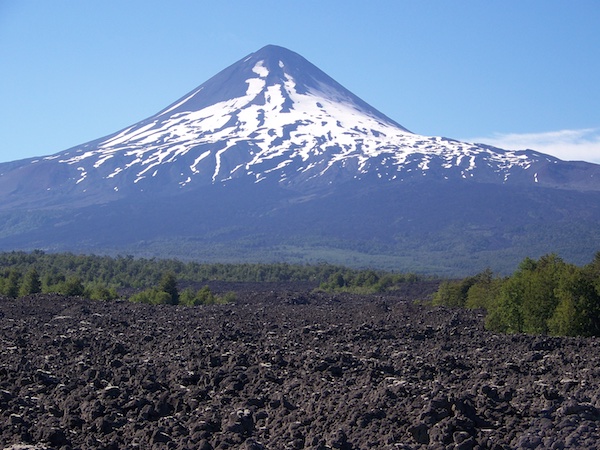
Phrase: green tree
(449,293)
(366,278)
(205,297)
(528,299)
(507,315)
(151,297)
(52,281)
(12,284)
(187,297)
(456,292)
(97,291)
(168,284)
(72,287)
(484,294)
(540,298)
(335,281)
(31,283)
(578,310)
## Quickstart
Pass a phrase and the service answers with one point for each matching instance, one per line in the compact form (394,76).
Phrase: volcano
(272,159)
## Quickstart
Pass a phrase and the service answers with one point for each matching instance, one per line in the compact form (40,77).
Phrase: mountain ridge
(272,114)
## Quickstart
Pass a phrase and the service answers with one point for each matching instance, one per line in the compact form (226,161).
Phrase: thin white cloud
(568,145)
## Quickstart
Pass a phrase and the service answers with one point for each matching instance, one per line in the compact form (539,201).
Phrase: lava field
(286,369)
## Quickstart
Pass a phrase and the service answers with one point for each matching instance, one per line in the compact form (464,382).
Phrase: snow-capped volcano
(271,159)
(274,115)
(270,112)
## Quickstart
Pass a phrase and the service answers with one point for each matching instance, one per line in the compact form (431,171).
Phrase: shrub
(100,292)
(71,287)
(545,296)
(205,296)
(472,292)
(151,297)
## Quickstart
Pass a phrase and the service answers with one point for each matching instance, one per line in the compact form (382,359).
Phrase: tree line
(167,292)
(543,296)
(366,281)
(147,280)
(130,272)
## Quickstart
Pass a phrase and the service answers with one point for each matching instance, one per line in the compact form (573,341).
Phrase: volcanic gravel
(283,369)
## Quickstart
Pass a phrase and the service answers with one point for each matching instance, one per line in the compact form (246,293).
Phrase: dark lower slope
(446,228)
(283,369)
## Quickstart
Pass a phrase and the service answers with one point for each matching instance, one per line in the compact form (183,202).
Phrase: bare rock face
(284,369)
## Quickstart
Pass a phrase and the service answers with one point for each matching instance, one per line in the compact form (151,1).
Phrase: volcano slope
(286,369)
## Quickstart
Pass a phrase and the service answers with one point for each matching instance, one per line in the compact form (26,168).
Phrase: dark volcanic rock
(282,369)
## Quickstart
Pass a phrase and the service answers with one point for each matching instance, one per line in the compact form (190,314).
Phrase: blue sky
(516,74)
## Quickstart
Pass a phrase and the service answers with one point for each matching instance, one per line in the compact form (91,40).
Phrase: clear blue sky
(511,73)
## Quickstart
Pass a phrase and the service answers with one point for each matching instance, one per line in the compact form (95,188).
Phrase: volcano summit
(273,159)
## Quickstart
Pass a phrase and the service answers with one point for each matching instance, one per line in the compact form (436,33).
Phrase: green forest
(543,296)
(165,280)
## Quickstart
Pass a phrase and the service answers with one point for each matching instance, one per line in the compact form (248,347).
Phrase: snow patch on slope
(280,129)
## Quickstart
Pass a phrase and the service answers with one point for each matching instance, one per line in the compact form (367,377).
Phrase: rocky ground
(286,369)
